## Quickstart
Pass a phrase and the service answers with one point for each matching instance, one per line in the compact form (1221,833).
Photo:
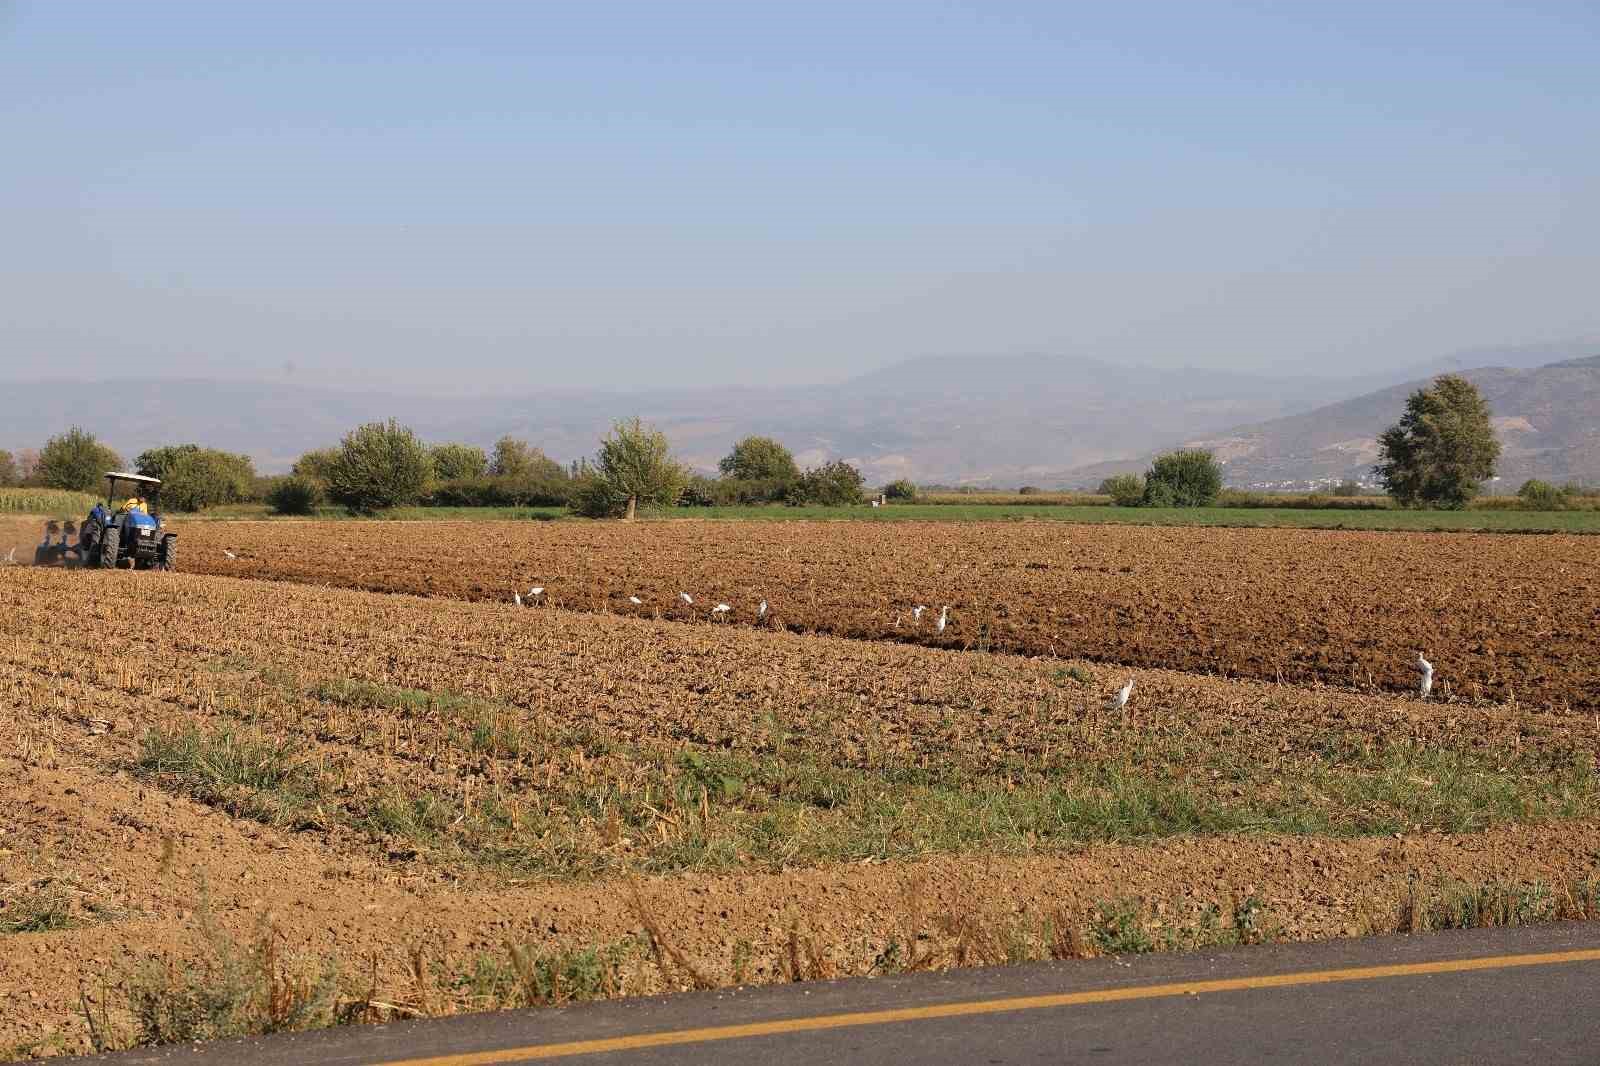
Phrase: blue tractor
(128,527)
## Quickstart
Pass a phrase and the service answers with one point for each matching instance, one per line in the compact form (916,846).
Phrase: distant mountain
(1512,356)
(986,420)
(1547,419)
(1001,421)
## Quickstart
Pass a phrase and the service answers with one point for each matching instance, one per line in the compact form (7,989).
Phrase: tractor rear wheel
(110,543)
(167,555)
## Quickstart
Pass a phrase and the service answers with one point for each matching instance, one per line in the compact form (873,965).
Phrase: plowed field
(1501,617)
(386,779)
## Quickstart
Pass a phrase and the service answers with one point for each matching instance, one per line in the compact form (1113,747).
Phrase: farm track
(1502,618)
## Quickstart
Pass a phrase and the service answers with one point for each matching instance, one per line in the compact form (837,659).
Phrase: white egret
(916,614)
(11,557)
(516,597)
(761,612)
(1425,682)
(944,619)
(686,598)
(229,554)
(1120,700)
(536,592)
(636,601)
(721,608)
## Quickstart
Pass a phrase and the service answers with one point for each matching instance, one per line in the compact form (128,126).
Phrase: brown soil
(20,534)
(1501,617)
(89,661)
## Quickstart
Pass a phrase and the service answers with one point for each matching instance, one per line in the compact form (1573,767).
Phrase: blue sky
(492,195)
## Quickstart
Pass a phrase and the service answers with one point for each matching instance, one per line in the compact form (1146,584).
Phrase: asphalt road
(1481,996)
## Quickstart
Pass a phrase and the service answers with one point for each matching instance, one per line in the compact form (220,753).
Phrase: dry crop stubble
(1507,618)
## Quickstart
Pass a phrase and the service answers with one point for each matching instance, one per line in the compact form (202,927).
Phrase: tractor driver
(135,504)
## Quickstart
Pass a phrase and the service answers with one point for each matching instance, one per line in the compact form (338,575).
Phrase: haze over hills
(1547,419)
(1000,421)
(994,420)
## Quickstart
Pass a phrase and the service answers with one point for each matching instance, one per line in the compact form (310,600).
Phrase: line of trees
(383,464)
(1438,454)
(193,477)
(761,470)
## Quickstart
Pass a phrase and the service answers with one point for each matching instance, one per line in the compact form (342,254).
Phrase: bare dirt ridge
(107,835)
(1502,618)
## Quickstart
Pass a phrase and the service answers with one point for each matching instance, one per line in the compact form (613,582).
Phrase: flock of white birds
(1118,701)
(722,611)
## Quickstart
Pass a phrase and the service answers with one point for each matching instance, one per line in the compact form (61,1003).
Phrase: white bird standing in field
(1120,700)
(944,620)
(516,597)
(1425,682)
(686,598)
(636,601)
(535,592)
(761,612)
(721,608)
(916,614)
(11,557)
(229,554)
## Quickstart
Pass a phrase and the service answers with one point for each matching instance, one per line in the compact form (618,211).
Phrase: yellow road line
(990,1006)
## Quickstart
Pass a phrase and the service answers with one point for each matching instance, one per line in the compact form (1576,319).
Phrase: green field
(55,503)
(1491,521)
(1495,521)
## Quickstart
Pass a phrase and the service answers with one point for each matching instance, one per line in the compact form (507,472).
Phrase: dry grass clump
(229,988)
(40,906)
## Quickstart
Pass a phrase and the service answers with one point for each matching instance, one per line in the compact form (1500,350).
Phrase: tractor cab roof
(119,475)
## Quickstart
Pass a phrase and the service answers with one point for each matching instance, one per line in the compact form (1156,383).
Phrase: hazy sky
(601,193)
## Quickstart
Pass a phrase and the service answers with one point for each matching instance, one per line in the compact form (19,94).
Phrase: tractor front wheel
(110,544)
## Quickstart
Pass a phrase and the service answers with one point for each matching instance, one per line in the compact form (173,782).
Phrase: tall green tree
(75,460)
(155,462)
(835,484)
(1125,490)
(1184,478)
(316,464)
(520,460)
(194,478)
(759,459)
(1442,449)
(456,462)
(380,465)
(633,468)
(207,478)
